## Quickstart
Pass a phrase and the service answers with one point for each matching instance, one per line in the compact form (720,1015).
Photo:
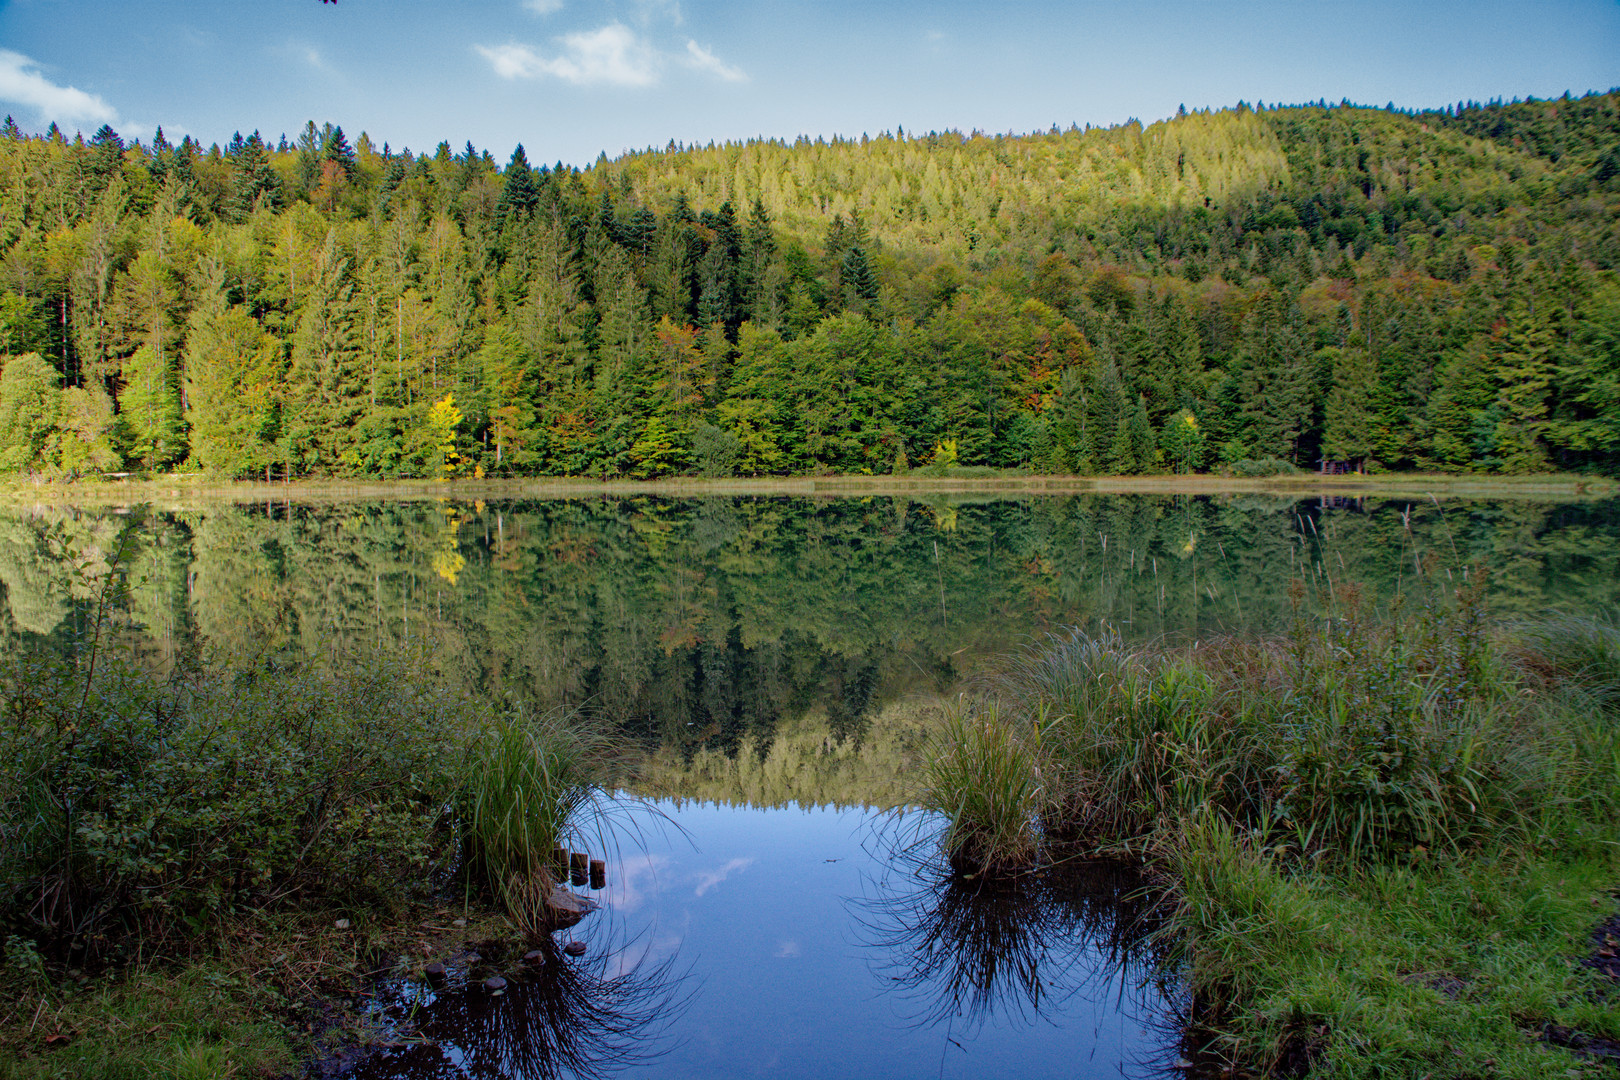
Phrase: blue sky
(572,78)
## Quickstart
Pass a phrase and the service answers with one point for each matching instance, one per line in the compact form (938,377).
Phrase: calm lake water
(790,942)
(777,661)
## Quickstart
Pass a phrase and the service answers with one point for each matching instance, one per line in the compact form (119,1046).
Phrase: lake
(777,662)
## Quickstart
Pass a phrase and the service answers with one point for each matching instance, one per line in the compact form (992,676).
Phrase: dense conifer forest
(1246,289)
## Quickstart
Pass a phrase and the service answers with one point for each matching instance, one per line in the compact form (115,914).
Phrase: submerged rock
(564,908)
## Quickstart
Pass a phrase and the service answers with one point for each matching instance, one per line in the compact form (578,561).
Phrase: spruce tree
(518,196)
(252,177)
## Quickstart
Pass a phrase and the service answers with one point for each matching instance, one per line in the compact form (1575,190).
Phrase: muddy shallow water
(801,943)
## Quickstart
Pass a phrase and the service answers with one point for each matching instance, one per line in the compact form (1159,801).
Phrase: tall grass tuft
(984,776)
(1581,653)
(534,783)
(1347,739)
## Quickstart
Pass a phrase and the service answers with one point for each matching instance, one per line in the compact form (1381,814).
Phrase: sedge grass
(1383,841)
(535,783)
(1430,966)
(983,775)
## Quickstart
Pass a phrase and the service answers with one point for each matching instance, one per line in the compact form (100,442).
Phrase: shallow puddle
(800,943)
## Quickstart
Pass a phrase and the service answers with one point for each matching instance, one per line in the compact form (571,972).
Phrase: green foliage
(137,810)
(1312,283)
(29,405)
(21,328)
(716,450)
(151,413)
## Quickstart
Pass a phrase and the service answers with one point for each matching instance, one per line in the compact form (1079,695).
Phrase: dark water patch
(551,1012)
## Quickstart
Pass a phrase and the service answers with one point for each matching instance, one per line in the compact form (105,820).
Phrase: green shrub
(133,808)
(1266,466)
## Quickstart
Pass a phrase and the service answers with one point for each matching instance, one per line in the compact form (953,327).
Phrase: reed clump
(535,783)
(1348,739)
(983,775)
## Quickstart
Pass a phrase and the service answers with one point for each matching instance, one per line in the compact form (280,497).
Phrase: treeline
(1249,288)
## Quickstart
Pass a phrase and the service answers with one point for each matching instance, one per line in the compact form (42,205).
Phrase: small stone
(459,923)
(1182,1063)
(534,958)
(575,948)
(495,985)
(342,924)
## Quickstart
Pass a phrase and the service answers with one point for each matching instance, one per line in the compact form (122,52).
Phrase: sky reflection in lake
(793,961)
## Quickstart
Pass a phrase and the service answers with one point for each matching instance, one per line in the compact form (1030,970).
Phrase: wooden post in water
(598,874)
(578,868)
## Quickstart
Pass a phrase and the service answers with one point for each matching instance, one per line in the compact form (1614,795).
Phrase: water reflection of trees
(966,951)
(591,1017)
(704,625)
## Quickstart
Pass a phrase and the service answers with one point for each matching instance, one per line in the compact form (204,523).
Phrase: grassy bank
(1387,838)
(191,866)
(182,490)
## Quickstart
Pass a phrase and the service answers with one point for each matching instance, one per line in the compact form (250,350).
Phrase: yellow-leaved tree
(443,419)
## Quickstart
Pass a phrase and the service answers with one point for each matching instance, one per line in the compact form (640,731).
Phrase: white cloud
(709,880)
(700,59)
(611,56)
(543,7)
(21,83)
(614,55)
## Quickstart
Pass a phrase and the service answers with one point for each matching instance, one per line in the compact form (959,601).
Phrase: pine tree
(859,283)
(252,177)
(519,196)
(106,159)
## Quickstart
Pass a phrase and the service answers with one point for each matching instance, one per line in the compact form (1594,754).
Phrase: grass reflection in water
(591,1017)
(969,951)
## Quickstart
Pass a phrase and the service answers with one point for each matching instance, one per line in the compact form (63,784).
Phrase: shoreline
(188,489)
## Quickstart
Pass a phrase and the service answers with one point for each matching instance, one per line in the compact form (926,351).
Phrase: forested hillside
(1374,288)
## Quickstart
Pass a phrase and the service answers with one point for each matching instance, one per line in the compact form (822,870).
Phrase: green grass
(1446,968)
(982,774)
(200,1023)
(1384,841)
